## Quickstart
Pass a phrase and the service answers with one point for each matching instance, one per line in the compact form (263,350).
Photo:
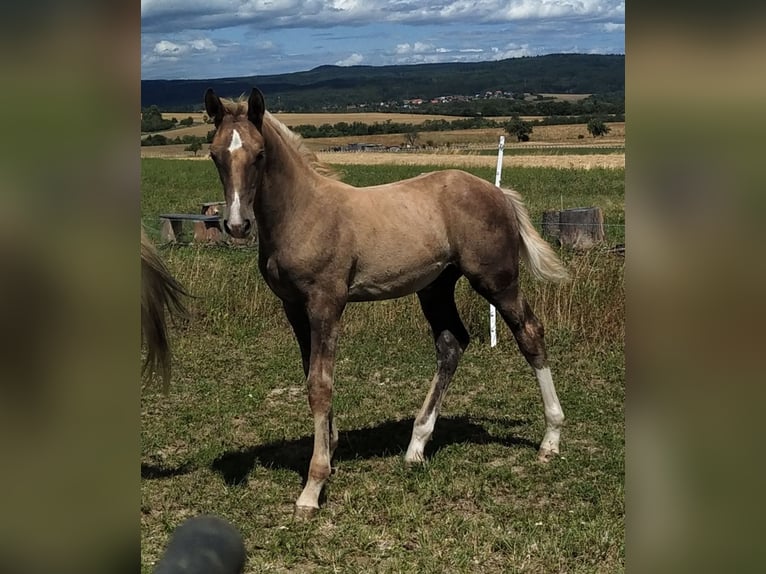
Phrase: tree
(155,139)
(152,121)
(411,137)
(194,147)
(518,128)
(597,127)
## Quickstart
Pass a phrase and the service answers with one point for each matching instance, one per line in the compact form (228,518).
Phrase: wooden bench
(206,227)
(212,207)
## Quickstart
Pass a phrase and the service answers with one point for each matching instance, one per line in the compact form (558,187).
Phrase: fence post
(492,312)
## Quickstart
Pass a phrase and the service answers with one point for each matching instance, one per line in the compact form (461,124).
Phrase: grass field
(234,435)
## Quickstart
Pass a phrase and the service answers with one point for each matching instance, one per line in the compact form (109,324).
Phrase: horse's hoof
(303,513)
(413,457)
(546,455)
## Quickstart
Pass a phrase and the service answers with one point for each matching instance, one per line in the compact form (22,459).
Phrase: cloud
(178,15)
(417,48)
(353,60)
(168,49)
(217,38)
(510,51)
(203,45)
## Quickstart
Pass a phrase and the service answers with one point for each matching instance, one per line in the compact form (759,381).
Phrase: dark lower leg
(299,322)
(450,339)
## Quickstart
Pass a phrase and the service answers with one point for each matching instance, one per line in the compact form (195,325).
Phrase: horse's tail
(160,292)
(538,254)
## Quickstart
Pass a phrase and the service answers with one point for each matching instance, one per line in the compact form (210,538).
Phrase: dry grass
(467,160)
(559,133)
(233,437)
(451,146)
(461,160)
(291,120)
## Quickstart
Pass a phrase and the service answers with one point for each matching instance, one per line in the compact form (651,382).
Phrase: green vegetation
(152,121)
(159,139)
(597,127)
(519,129)
(194,147)
(487,88)
(234,435)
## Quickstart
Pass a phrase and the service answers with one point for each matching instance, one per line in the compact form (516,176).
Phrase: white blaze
(235,217)
(236,141)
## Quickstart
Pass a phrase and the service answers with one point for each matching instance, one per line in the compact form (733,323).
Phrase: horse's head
(237,150)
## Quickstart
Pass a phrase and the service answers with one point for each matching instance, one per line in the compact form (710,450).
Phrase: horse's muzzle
(239,231)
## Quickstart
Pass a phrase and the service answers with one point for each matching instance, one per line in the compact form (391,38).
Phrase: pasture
(571,134)
(234,435)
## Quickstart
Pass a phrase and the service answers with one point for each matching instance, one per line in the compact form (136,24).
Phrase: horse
(161,293)
(324,243)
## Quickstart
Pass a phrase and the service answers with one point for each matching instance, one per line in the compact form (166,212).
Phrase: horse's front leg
(324,321)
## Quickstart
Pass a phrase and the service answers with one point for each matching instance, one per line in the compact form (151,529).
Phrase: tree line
(336,88)
(152,120)
(359,129)
(515,127)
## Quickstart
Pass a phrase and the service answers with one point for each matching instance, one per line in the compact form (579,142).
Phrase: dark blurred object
(204,545)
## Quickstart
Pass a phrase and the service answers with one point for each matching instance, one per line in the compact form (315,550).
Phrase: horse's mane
(238,106)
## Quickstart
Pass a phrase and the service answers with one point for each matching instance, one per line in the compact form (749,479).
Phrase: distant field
(291,120)
(566,97)
(460,147)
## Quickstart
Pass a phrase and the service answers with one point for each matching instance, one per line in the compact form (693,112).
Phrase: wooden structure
(206,227)
(579,228)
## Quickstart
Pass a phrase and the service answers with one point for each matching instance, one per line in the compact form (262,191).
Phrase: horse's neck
(288,185)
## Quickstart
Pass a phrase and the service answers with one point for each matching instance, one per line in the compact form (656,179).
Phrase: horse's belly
(393,283)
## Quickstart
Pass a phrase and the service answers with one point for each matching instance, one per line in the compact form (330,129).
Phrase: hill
(329,88)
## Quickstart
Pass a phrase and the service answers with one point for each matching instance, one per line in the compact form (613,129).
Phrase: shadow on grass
(387,439)
(153,471)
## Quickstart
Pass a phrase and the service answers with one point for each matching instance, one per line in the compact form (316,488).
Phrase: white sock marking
(553,413)
(554,416)
(420,436)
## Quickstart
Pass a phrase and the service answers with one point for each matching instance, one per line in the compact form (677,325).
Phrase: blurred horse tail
(161,293)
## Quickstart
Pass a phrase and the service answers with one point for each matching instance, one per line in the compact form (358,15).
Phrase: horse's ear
(213,106)
(256,107)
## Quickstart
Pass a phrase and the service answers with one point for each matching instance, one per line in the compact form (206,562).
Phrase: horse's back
(406,233)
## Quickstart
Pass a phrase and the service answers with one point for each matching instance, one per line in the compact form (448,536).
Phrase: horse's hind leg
(451,339)
(529,335)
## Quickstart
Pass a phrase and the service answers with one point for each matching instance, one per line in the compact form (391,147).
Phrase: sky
(203,39)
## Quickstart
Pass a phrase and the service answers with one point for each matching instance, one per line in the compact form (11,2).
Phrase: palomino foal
(323,243)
